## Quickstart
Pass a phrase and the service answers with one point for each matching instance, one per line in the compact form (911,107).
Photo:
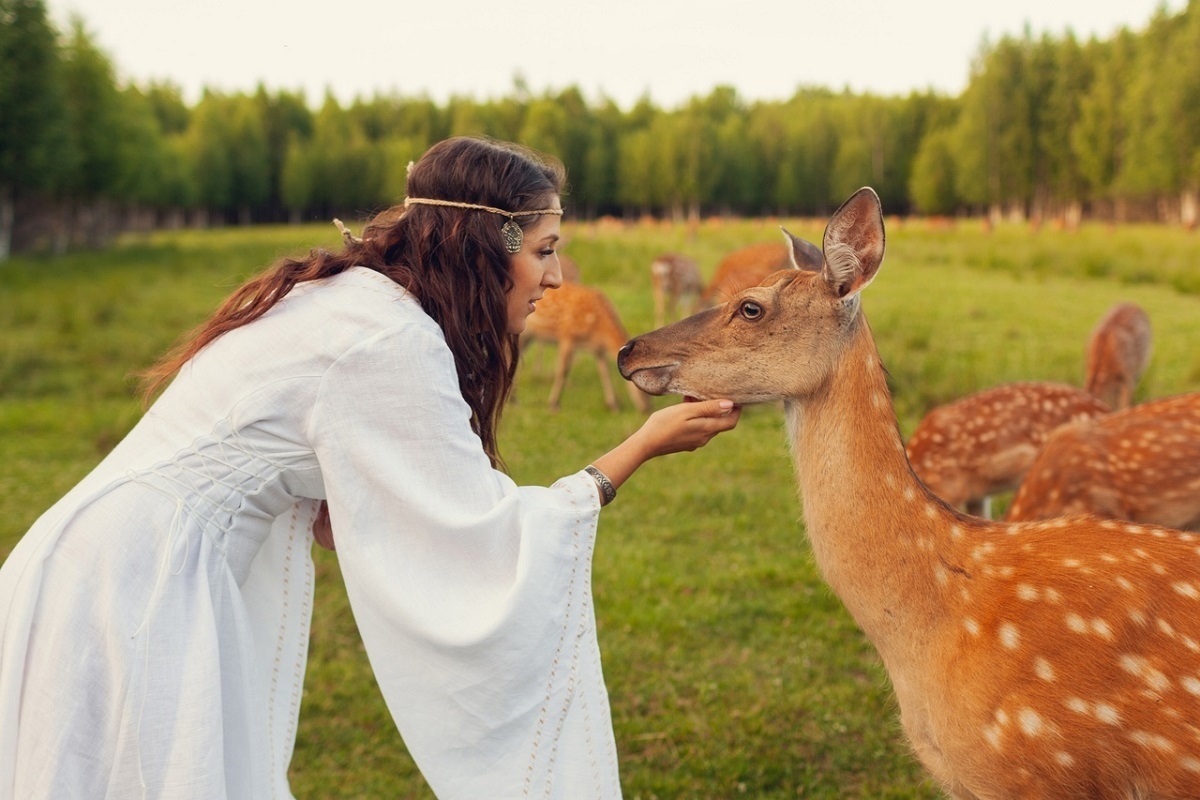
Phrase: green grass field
(733,671)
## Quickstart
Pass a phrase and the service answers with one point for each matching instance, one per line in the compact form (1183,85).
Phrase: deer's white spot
(1010,637)
(1076,623)
(994,736)
(1152,741)
(1103,630)
(1186,589)
(972,626)
(1043,669)
(1064,759)
(1107,714)
(1140,667)
(1027,592)
(1031,722)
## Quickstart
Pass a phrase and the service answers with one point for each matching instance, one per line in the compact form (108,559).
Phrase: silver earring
(514,237)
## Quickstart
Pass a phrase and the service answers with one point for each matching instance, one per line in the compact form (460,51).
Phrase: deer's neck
(882,541)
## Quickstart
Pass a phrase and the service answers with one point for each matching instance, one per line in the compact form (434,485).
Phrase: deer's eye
(750,310)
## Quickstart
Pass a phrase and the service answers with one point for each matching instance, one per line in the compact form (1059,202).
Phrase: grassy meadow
(732,670)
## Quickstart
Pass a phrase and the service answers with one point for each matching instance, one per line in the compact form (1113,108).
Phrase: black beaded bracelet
(606,488)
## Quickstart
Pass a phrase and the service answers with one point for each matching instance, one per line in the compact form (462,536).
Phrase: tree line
(1048,127)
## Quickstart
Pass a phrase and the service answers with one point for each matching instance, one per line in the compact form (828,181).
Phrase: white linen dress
(154,622)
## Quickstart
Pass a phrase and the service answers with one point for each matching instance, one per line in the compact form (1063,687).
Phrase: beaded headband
(511,231)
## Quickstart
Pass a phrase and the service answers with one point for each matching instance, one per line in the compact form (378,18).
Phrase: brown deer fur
(742,269)
(982,444)
(1141,464)
(1054,659)
(1117,354)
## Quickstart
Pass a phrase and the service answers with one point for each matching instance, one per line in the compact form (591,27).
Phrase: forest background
(1048,128)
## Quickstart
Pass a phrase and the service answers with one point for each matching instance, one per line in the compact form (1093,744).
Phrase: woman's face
(534,269)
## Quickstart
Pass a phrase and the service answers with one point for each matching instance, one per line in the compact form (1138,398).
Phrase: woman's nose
(553,276)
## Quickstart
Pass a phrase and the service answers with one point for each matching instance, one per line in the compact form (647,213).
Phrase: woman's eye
(751,310)
(547,253)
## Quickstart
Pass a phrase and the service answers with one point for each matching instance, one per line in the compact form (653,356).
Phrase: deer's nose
(625,351)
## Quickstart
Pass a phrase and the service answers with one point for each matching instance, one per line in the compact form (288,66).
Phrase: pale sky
(622,49)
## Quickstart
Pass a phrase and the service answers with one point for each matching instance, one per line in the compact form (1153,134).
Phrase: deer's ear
(802,254)
(854,243)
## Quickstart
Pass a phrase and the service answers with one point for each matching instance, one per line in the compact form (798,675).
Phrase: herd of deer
(1053,654)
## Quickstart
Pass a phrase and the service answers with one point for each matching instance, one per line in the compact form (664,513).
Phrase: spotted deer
(1055,659)
(1141,464)
(743,268)
(575,316)
(982,444)
(1117,353)
(676,284)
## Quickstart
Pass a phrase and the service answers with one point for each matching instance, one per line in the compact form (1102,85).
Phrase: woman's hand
(673,429)
(686,426)
(322,528)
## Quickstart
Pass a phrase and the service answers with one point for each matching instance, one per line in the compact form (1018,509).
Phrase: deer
(572,316)
(1140,464)
(1048,659)
(981,445)
(743,268)
(1117,353)
(676,284)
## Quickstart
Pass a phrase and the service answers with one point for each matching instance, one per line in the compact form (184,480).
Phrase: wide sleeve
(472,595)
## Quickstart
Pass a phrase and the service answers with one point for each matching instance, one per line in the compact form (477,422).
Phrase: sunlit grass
(732,669)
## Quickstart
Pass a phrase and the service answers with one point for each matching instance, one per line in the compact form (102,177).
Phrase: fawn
(1055,659)
(675,282)
(575,315)
(982,444)
(1141,464)
(743,268)
(1117,353)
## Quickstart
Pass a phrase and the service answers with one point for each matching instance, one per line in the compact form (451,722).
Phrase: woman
(154,622)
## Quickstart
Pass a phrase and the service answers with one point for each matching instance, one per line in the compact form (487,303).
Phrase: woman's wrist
(608,492)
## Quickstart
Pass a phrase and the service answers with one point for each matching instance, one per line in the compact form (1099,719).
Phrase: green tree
(1151,167)
(35,145)
(1097,140)
(283,114)
(932,185)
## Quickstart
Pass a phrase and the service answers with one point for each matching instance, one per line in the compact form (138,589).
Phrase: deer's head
(779,339)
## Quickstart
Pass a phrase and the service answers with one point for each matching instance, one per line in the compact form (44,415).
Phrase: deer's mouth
(652,380)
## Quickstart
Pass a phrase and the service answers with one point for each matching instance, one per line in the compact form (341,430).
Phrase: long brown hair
(451,259)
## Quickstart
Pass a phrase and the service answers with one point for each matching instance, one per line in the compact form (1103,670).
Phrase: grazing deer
(675,281)
(1043,660)
(1117,353)
(742,269)
(572,316)
(1141,464)
(982,444)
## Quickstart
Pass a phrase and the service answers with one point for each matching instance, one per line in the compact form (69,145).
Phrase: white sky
(622,49)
